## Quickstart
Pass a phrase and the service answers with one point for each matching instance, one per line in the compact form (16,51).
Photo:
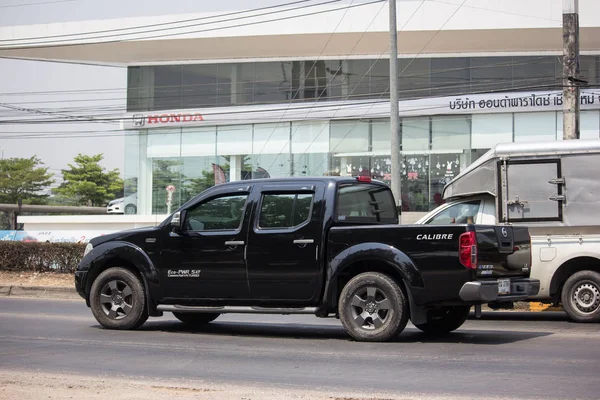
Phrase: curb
(39,291)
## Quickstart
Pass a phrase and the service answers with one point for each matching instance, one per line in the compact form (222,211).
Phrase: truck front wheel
(373,308)
(118,300)
(580,296)
(444,320)
(196,319)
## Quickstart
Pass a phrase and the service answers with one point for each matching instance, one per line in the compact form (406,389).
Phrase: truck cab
(553,189)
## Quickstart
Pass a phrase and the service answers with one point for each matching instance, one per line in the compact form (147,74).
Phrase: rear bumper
(487,291)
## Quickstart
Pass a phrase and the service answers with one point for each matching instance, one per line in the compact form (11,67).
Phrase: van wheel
(580,296)
(196,319)
(373,308)
(118,300)
(444,320)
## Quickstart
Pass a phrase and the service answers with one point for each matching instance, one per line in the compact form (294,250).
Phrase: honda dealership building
(281,93)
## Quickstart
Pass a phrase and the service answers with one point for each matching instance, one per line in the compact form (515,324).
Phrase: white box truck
(553,188)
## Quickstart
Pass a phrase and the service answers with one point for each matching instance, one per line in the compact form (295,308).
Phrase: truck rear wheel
(580,296)
(196,319)
(118,300)
(445,320)
(373,308)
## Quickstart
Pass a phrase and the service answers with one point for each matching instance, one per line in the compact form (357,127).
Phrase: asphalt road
(521,355)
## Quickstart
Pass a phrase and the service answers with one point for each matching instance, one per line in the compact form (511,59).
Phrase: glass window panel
(533,71)
(450,133)
(164,142)
(167,87)
(234,140)
(270,165)
(199,176)
(443,168)
(134,83)
(200,141)
(271,139)
(313,164)
(490,74)
(491,129)
(199,85)
(272,82)
(415,133)
(449,76)
(380,78)
(349,136)
(223,213)
(414,76)
(535,127)
(310,137)
(165,172)
(589,125)
(380,135)
(131,171)
(357,73)
(236,83)
(415,183)
(589,68)
(337,80)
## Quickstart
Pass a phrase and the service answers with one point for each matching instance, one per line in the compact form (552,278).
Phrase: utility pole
(394,112)
(570,69)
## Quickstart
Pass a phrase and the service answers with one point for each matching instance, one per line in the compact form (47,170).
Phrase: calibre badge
(183,273)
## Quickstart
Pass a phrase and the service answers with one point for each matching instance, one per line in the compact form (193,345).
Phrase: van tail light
(468,250)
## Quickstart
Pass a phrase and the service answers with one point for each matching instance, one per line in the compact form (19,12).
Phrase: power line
(155,25)
(37,3)
(53,44)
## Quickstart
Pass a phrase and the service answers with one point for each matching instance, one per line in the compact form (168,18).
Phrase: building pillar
(236,164)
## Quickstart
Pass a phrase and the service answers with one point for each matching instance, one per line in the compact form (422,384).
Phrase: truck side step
(236,309)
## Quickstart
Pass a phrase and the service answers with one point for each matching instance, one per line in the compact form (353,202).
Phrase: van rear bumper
(479,292)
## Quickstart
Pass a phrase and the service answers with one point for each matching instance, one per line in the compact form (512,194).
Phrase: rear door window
(365,203)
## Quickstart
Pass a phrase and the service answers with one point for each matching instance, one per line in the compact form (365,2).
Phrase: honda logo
(139,120)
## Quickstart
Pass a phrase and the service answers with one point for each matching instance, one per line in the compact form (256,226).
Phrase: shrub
(40,256)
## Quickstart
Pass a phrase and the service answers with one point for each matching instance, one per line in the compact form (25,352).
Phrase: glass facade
(435,149)
(165,87)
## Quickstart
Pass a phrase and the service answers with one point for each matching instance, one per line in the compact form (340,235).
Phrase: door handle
(234,243)
(304,241)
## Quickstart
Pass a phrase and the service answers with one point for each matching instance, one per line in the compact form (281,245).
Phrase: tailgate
(503,251)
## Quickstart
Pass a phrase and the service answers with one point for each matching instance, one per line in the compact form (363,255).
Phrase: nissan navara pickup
(327,246)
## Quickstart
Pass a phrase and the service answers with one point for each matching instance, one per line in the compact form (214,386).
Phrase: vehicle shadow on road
(522,316)
(329,332)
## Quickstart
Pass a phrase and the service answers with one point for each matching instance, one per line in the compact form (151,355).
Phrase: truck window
(460,213)
(285,210)
(221,213)
(364,203)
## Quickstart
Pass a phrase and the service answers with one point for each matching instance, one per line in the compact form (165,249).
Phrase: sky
(108,83)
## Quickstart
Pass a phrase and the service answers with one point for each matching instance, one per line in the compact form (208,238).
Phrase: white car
(123,205)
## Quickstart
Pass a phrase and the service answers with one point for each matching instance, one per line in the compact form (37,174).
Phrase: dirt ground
(36,279)
(15,385)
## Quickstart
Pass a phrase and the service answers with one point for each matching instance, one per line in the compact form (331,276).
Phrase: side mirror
(176,222)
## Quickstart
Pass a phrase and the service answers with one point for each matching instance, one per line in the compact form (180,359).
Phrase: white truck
(553,188)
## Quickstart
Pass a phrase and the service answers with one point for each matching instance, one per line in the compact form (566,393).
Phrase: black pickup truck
(323,246)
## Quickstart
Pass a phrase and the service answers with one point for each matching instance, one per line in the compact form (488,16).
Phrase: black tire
(196,319)
(118,300)
(444,320)
(130,209)
(580,296)
(373,308)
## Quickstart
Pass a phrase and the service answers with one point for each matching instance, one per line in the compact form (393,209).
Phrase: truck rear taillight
(468,250)
(365,179)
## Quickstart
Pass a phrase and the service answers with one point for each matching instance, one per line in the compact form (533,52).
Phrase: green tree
(23,178)
(89,182)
